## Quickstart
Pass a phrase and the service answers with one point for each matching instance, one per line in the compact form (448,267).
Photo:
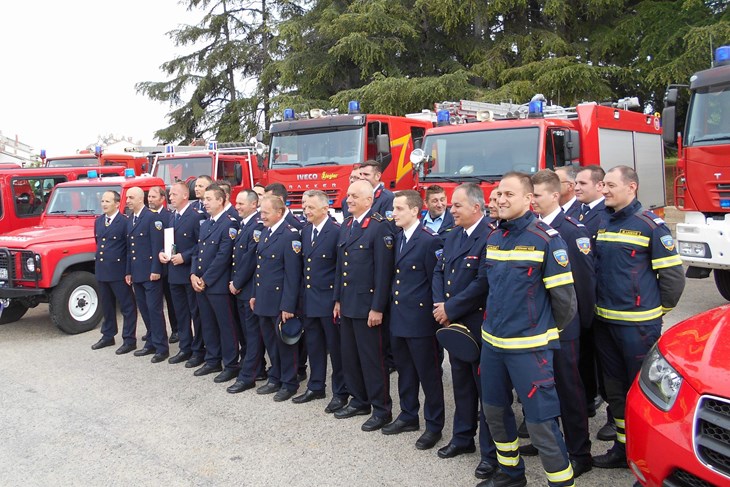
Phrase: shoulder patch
(158,225)
(668,242)
(439,253)
(296,246)
(561,257)
(388,239)
(389,215)
(256,235)
(232,232)
(584,245)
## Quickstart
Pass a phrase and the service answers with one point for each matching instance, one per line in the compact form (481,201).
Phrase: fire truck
(702,183)
(479,142)
(238,163)
(318,149)
(136,160)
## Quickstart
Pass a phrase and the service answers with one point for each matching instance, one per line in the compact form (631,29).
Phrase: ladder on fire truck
(220,147)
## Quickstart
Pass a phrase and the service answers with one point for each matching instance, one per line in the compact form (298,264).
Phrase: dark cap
(459,342)
(291,331)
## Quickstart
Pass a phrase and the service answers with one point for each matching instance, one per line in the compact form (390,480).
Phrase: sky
(68,69)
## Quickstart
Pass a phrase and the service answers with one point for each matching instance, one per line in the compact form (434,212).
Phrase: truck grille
(712,433)
(680,478)
(7,267)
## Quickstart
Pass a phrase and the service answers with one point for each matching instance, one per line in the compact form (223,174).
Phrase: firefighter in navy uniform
(413,327)
(276,292)
(144,270)
(458,298)
(371,172)
(156,197)
(362,289)
(639,278)
(568,200)
(571,392)
(201,184)
(437,216)
(110,233)
(531,297)
(209,275)
(322,333)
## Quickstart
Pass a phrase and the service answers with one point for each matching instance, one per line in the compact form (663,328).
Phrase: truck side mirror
(571,147)
(669,125)
(382,143)
(238,172)
(670,97)
(260,137)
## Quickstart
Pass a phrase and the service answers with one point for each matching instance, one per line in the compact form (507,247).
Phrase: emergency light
(353,107)
(169,149)
(92,174)
(129,172)
(97,150)
(213,145)
(722,55)
(442,117)
(289,114)
(535,108)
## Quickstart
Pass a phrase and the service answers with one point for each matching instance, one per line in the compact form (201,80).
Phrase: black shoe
(159,357)
(335,404)
(374,423)
(501,479)
(528,450)
(262,376)
(126,348)
(226,375)
(102,343)
(428,440)
(400,426)
(145,337)
(207,369)
(180,357)
(308,396)
(580,467)
(607,432)
(194,362)
(174,337)
(485,470)
(284,394)
(522,430)
(302,376)
(268,388)
(240,386)
(350,411)
(451,450)
(612,459)
(144,351)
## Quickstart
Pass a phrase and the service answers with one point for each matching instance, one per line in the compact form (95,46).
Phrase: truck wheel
(722,281)
(74,304)
(13,310)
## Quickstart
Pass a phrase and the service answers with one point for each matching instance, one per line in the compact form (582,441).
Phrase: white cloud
(69,69)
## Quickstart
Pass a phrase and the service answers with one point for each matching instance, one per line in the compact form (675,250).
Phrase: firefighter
(437,217)
(354,176)
(201,184)
(568,201)
(531,297)
(371,172)
(639,278)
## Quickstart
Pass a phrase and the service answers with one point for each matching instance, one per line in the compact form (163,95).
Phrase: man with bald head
(144,272)
(362,286)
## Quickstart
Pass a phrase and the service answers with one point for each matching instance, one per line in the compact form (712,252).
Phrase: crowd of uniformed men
(562,281)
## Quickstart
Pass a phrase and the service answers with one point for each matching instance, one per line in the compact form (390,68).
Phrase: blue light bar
(442,117)
(92,174)
(129,173)
(722,54)
(97,150)
(43,153)
(724,203)
(212,145)
(289,114)
(353,107)
(169,149)
(535,108)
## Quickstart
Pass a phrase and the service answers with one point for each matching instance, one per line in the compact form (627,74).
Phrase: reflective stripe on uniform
(561,476)
(615,237)
(517,343)
(558,280)
(508,461)
(665,262)
(512,255)
(511,457)
(510,446)
(646,315)
(666,310)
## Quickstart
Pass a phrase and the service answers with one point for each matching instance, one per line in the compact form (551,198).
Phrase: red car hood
(699,349)
(31,236)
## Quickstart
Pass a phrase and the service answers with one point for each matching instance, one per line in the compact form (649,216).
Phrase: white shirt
(215,218)
(551,216)
(111,218)
(593,204)
(319,227)
(471,228)
(244,221)
(567,205)
(183,210)
(276,225)
(408,232)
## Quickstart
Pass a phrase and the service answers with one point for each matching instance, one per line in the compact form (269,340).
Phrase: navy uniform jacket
(580,254)
(320,264)
(411,308)
(531,294)
(454,276)
(639,275)
(345,211)
(111,248)
(164,215)
(278,271)
(144,243)
(447,224)
(187,232)
(294,221)
(212,261)
(383,202)
(364,266)
(574,209)
(232,213)
(593,220)
(199,207)
(244,256)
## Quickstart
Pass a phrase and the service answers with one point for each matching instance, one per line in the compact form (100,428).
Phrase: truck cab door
(562,147)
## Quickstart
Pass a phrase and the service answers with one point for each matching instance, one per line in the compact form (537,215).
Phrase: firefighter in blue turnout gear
(639,278)
(531,298)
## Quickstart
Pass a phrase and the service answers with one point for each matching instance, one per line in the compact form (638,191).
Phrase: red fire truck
(136,160)
(318,149)
(702,184)
(479,142)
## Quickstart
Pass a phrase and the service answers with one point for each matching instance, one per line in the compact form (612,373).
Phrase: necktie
(108,221)
(134,220)
(177,218)
(314,235)
(403,242)
(354,225)
(584,209)
(464,236)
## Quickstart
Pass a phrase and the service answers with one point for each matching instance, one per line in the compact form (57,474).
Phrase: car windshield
(708,117)
(333,146)
(78,200)
(175,169)
(482,154)
(76,162)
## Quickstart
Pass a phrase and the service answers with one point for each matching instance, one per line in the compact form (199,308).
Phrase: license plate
(3,273)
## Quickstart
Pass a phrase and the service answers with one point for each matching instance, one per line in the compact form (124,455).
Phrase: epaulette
(435,234)
(293,229)
(550,231)
(573,221)
(377,216)
(650,218)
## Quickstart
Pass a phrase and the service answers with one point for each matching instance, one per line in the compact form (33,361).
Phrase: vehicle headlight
(30,264)
(659,381)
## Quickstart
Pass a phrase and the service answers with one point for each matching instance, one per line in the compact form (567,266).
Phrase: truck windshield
(708,116)
(483,154)
(175,169)
(76,162)
(79,200)
(333,146)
